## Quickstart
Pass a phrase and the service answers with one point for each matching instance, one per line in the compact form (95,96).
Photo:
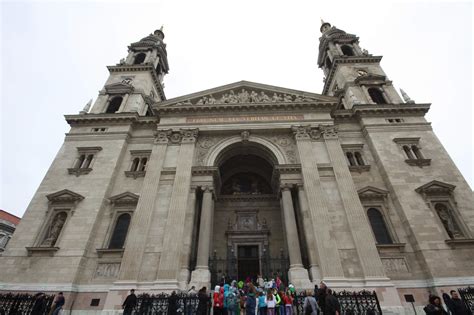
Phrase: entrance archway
(248,234)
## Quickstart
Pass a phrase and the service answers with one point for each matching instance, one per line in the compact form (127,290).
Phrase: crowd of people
(270,298)
(453,305)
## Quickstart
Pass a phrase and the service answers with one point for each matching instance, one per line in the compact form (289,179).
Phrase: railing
(352,303)
(467,295)
(186,304)
(22,304)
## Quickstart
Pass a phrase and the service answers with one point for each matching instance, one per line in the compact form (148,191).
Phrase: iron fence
(352,303)
(23,303)
(186,304)
(467,295)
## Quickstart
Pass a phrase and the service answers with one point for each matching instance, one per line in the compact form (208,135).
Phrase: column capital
(209,189)
(189,135)
(162,135)
(329,132)
(306,132)
(285,186)
(300,186)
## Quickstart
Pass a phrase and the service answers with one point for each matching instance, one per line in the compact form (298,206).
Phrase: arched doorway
(248,234)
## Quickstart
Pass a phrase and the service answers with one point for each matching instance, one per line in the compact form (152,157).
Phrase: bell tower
(351,72)
(136,82)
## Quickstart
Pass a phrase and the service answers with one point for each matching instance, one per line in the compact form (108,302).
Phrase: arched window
(377,96)
(359,159)
(408,152)
(120,231)
(328,63)
(416,151)
(350,158)
(378,226)
(114,105)
(135,163)
(347,50)
(139,58)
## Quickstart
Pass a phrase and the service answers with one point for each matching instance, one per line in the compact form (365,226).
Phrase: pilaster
(329,260)
(169,267)
(137,235)
(361,232)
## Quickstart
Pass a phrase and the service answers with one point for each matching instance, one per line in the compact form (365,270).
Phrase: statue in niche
(54,229)
(448,221)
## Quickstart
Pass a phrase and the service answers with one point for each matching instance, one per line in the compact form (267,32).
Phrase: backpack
(231,301)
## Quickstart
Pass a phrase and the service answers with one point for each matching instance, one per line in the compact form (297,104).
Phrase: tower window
(347,50)
(377,96)
(378,226)
(138,162)
(120,231)
(84,160)
(354,158)
(412,150)
(350,158)
(139,58)
(114,105)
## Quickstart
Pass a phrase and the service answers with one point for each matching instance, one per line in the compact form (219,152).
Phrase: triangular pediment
(119,88)
(245,92)
(435,188)
(126,198)
(370,192)
(64,196)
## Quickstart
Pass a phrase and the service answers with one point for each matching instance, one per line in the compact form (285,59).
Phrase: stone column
(308,232)
(169,266)
(138,231)
(361,231)
(329,260)
(297,274)
(124,103)
(188,233)
(201,276)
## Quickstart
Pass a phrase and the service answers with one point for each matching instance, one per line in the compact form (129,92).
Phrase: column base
(200,277)
(315,274)
(183,279)
(298,276)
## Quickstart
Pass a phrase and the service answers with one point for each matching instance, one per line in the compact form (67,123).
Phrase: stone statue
(122,61)
(406,98)
(200,102)
(276,98)
(54,229)
(245,135)
(232,97)
(298,98)
(86,108)
(448,222)
(187,102)
(211,99)
(365,52)
(254,97)
(224,98)
(353,99)
(264,97)
(244,96)
(287,98)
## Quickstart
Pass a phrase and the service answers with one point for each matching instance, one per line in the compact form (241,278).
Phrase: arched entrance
(248,235)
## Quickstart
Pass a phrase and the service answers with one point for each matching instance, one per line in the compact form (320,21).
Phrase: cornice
(213,108)
(142,67)
(368,110)
(110,118)
(345,60)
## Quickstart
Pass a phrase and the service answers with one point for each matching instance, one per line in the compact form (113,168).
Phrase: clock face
(361,72)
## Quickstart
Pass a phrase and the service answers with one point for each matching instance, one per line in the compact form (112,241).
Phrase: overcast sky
(54,57)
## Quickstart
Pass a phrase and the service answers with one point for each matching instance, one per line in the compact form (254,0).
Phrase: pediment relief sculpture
(247,96)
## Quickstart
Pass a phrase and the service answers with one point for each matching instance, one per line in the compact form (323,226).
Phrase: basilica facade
(350,186)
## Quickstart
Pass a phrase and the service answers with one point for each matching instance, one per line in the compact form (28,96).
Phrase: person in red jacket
(288,302)
(218,300)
